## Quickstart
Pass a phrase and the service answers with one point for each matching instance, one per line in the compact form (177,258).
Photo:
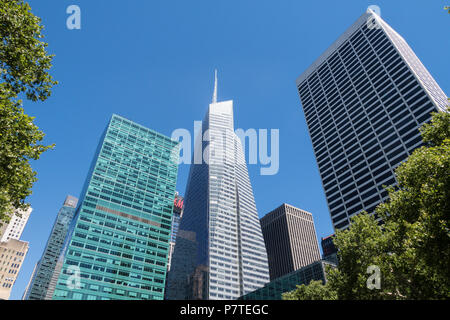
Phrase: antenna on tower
(214,99)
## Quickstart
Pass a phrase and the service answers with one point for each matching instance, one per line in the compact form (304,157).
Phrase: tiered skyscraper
(364,100)
(43,271)
(219,252)
(118,242)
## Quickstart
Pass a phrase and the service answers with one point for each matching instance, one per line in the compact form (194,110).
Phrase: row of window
(371,67)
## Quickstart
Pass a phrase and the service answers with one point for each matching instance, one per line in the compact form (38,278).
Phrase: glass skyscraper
(176,218)
(177,215)
(43,272)
(364,100)
(118,243)
(219,251)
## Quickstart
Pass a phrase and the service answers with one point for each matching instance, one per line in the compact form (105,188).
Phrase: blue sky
(153,62)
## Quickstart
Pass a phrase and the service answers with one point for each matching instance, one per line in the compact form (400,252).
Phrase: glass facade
(177,214)
(289,282)
(176,218)
(219,251)
(364,100)
(39,283)
(119,239)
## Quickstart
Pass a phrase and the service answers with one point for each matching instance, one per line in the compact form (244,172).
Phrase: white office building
(14,228)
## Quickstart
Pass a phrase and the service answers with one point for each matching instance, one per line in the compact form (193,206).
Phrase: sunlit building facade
(12,255)
(118,242)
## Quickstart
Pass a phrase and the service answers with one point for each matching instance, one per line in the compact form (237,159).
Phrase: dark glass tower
(119,240)
(39,283)
(364,100)
(177,215)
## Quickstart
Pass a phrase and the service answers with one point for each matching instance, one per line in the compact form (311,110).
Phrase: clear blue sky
(152,61)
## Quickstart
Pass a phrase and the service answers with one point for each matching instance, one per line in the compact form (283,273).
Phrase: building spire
(214,100)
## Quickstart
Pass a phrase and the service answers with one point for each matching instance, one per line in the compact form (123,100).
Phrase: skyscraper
(118,241)
(14,228)
(176,218)
(364,100)
(39,282)
(12,255)
(12,250)
(290,238)
(219,252)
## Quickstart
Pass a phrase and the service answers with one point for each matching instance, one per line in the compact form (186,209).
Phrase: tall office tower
(290,238)
(364,100)
(14,228)
(39,282)
(25,293)
(219,252)
(176,218)
(55,275)
(178,205)
(118,242)
(12,254)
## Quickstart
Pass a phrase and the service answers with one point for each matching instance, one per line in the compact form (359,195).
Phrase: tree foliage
(417,216)
(411,247)
(24,66)
(314,291)
(24,62)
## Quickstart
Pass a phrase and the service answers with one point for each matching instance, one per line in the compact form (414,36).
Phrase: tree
(417,216)
(24,66)
(411,247)
(314,291)
(24,62)
(363,245)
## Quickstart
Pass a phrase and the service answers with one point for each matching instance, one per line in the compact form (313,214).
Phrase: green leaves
(24,62)
(314,291)
(19,139)
(24,65)
(435,132)
(419,213)
(412,247)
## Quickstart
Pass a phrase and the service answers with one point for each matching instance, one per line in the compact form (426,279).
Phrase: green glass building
(118,243)
(275,289)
